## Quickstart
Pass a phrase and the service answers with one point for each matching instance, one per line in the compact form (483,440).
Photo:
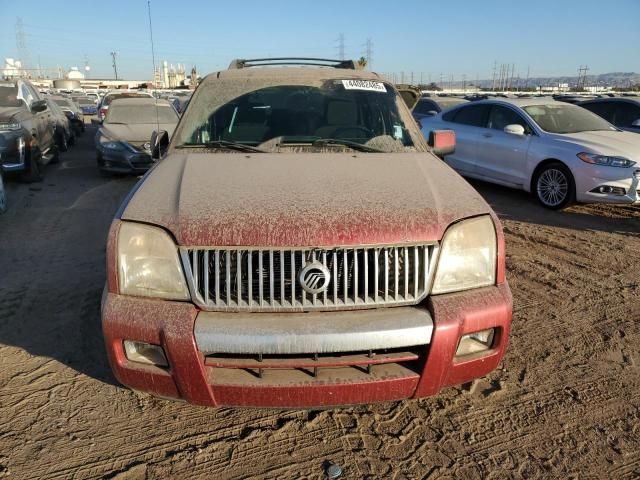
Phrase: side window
(474,115)
(27,96)
(501,116)
(602,109)
(626,114)
(424,106)
(34,93)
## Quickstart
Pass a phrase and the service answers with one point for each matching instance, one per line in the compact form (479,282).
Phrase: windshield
(141,114)
(110,98)
(9,96)
(362,112)
(566,118)
(85,101)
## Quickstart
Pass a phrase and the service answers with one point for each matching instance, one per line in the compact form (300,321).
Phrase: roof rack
(316,62)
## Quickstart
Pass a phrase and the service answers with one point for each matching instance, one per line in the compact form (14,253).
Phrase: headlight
(116,145)
(468,256)
(9,126)
(148,263)
(606,160)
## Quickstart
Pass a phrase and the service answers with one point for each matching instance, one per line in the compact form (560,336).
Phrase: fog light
(145,353)
(609,189)
(475,342)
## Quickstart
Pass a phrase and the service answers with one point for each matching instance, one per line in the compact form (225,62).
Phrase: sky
(433,39)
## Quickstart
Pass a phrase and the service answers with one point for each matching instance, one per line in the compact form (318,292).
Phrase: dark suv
(27,139)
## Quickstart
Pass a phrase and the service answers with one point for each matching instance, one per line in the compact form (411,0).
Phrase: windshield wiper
(241,147)
(347,143)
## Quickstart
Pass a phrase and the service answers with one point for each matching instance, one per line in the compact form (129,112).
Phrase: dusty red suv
(298,244)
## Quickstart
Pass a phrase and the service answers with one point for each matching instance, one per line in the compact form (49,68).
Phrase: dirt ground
(564,404)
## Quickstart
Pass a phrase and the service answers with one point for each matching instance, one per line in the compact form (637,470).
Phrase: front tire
(554,186)
(33,172)
(63,144)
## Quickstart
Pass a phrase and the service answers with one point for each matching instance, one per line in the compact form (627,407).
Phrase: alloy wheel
(553,187)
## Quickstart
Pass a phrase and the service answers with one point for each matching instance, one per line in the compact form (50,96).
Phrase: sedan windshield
(141,114)
(566,118)
(351,115)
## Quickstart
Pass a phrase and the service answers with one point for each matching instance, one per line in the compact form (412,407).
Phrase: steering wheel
(339,133)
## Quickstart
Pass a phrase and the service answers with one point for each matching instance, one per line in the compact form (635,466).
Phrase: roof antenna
(153,58)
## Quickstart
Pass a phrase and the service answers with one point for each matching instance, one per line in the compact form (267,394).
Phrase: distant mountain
(613,79)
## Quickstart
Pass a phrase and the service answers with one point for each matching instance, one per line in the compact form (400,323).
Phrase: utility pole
(513,69)
(526,87)
(115,67)
(464,83)
(493,85)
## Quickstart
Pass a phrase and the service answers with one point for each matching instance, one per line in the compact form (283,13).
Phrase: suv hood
(624,144)
(7,113)
(288,200)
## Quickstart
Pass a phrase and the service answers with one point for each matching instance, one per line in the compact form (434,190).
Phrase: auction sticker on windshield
(364,85)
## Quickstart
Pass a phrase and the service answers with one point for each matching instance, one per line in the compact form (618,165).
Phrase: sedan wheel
(554,186)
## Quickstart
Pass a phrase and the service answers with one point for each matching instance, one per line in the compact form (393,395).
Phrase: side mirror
(442,142)
(636,123)
(514,129)
(39,106)
(159,144)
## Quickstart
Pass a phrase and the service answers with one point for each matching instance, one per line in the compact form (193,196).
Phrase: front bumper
(620,185)
(12,157)
(123,161)
(189,336)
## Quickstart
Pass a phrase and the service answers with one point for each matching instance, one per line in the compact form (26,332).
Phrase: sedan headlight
(116,145)
(9,126)
(606,160)
(468,256)
(148,263)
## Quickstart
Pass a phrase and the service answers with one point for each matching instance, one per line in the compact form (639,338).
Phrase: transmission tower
(341,46)
(21,44)
(582,76)
(115,67)
(369,53)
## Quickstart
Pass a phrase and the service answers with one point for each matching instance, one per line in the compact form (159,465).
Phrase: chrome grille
(241,279)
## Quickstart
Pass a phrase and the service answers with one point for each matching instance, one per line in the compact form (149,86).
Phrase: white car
(560,152)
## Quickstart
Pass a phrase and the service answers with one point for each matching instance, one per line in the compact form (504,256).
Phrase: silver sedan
(560,152)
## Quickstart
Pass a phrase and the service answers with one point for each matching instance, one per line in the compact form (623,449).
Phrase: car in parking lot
(297,245)
(430,106)
(63,130)
(558,151)
(122,142)
(623,112)
(106,100)
(73,113)
(86,105)
(26,130)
